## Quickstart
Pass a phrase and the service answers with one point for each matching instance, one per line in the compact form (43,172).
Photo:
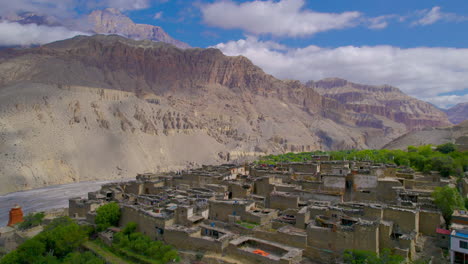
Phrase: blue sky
(185,22)
(419,46)
(412,29)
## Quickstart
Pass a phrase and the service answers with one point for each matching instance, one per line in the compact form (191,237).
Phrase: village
(287,213)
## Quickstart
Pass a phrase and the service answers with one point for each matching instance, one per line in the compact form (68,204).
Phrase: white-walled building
(459,247)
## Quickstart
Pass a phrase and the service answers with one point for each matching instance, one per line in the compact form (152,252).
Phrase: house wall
(334,182)
(283,202)
(148,225)
(406,220)
(365,181)
(220,210)
(455,244)
(429,221)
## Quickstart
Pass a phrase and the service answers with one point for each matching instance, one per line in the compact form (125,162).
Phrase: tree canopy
(448,199)
(443,158)
(107,215)
(54,244)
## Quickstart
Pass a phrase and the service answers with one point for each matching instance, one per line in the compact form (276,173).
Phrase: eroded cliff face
(381,101)
(103,107)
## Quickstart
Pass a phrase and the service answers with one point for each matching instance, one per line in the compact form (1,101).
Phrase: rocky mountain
(457,134)
(376,103)
(112,21)
(106,107)
(107,21)
(458,113)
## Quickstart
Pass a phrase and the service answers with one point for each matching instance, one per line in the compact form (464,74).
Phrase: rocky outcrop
(112,21)
(381,101)
(458,113)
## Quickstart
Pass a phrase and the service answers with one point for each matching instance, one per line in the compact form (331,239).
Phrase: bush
(368,257)
(140,244)
(446,148)
(31,220)
(130,228)
(107,215)
(61,237)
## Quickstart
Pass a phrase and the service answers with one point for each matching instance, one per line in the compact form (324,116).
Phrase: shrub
(107,215)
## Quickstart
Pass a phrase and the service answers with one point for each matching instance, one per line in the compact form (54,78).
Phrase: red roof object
(443,231)
(261,252)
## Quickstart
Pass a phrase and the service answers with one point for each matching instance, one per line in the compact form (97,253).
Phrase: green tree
(446,148)
(107,215)
(443,164)
(448,199)
(61,237)
(65,237)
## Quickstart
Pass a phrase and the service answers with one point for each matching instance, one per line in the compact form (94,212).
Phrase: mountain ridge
(102,107)
(457,113)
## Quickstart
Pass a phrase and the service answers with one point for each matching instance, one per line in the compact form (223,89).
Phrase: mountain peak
(112,21)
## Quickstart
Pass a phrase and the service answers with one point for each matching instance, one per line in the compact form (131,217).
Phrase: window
(464,244)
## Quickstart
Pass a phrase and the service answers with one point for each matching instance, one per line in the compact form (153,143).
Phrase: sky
(419,46)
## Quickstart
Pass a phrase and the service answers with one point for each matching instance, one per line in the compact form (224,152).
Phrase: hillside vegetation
(443,158)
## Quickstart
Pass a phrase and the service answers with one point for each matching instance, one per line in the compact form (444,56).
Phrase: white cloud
(282,18)
(50,7)
(66,8)
(429,17)
(447,101)
(420,72)
(13,34)
(158,15)
(123,5)
(382,22)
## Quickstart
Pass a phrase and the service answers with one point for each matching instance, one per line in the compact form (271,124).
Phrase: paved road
(45,198)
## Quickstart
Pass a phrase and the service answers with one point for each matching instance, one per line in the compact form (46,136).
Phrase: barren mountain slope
(382,101)
(458,113)
(457,134)
(103,107)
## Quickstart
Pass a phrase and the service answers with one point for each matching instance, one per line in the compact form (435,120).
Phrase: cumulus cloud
(282,18)
(429,17)
(14,34)
(421,72)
